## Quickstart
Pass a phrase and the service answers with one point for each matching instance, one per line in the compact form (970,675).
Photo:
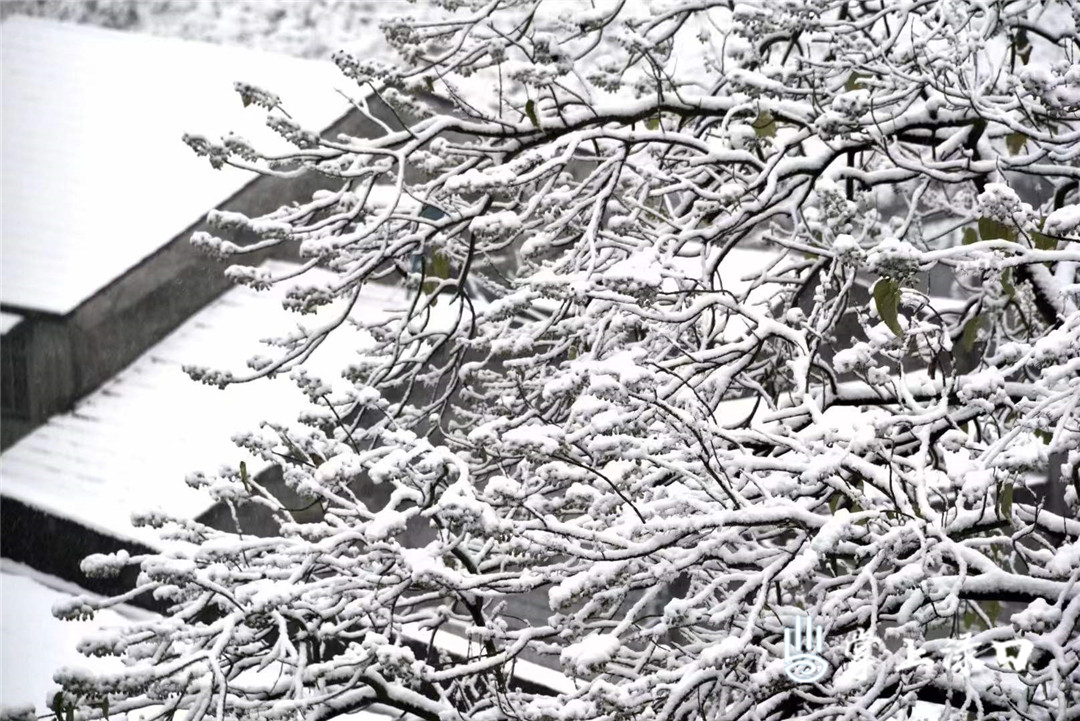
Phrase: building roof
(34,644)
(129,445)
(96,176)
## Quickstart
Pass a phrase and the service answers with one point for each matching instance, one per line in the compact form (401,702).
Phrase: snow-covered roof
(96,176)
(34,644)
(8,321)
(129,445)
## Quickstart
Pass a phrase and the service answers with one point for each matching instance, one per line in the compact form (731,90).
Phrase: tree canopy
(715,315)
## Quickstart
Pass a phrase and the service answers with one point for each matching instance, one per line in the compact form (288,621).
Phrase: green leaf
(437,269)
(58,705)
(765,125)
(854,81)
(992,609)
(105,708)
(1015,142)
(653,123)
(293,448)
(430,83)
(530,110)
(970,236)
(1043,241)
(244,477)
(1007,283)
(440,266)
(1045,436)
(971,619)
(887,301)
(971,332)
(245,99)
(1005,499)
(991,229)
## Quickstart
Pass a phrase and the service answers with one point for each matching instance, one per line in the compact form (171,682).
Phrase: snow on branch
(713,316)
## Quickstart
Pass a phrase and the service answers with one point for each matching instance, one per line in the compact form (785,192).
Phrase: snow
(589,655)
(129,445)
(639,269)
(544,439)
(661,440)
(715,655)
(8,321)
(496,224)
(96,176)
(34,643)
(1064,221)
(302,29)
(386,522)
(1038,617)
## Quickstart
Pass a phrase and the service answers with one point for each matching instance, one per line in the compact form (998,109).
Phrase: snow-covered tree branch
(717,314)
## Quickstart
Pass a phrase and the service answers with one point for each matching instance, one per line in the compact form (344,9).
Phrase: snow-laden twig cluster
(718,314)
